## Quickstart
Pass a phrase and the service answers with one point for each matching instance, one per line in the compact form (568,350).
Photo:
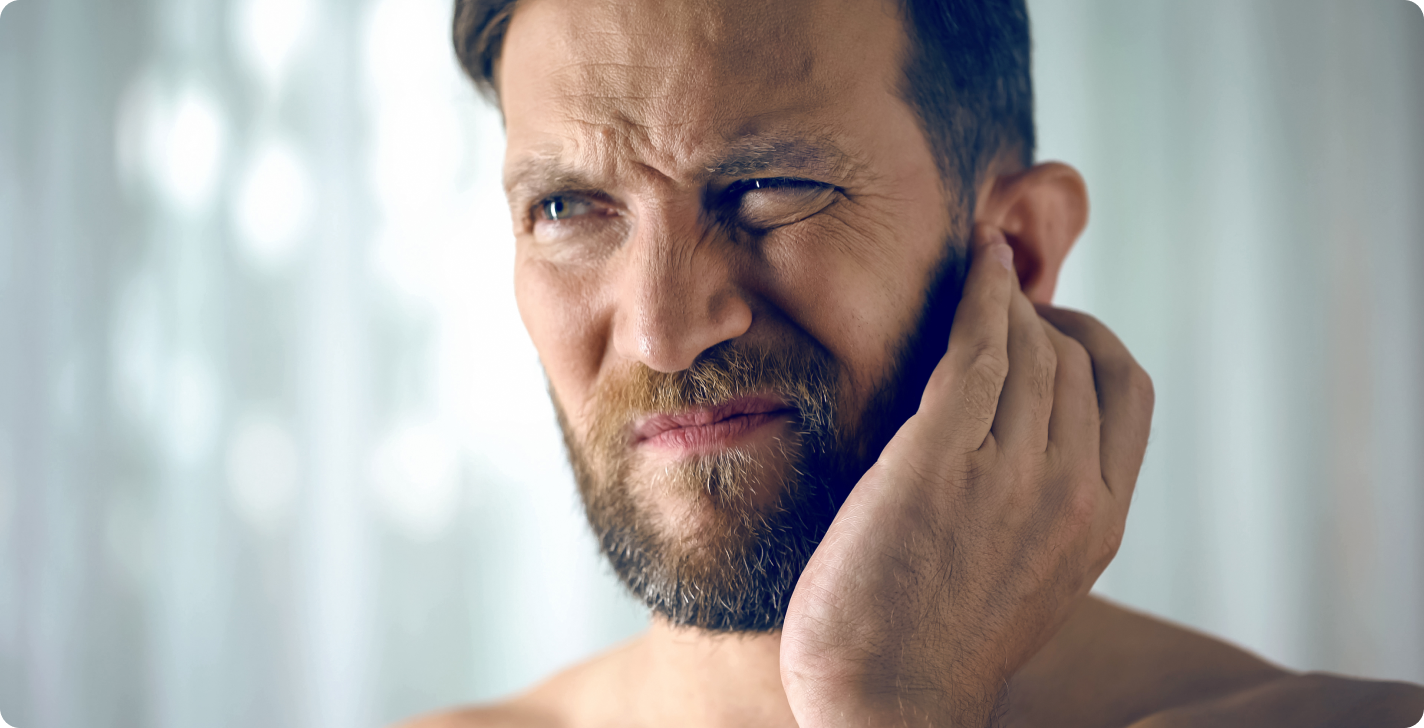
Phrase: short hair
(966,75)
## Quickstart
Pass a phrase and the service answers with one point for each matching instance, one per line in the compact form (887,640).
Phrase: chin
(697,496)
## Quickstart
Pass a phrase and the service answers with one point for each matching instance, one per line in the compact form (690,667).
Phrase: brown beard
(735,570)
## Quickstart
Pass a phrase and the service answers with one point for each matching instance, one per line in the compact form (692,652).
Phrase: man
(787,264)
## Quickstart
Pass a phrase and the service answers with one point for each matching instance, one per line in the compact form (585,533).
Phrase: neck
(701,680)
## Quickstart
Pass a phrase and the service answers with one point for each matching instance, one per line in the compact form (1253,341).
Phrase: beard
(727,561)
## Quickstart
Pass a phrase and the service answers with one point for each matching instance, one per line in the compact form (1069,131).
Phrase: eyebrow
(779,154)
(783,154)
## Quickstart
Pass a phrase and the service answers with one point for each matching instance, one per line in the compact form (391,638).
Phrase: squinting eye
(777,183)
(763,204)
(563,207)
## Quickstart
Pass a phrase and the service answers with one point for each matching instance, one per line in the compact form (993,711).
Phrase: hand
(986,519)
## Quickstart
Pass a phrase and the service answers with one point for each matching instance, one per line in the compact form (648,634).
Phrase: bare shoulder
(504,715)
(1112,666)
(1303,701)
(586,694)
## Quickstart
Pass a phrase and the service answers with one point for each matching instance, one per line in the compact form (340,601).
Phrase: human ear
(1041,211)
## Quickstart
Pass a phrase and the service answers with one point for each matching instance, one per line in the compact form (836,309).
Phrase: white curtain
(274,449)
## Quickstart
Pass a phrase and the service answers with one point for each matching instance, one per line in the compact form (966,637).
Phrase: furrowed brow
(784,155)
(542,175)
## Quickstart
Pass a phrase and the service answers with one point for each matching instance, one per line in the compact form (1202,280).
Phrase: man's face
(729,227)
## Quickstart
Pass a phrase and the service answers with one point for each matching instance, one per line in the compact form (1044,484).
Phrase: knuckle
(1087,320)
(989,363)
(1112,541)
(1072,322)
(1128,377)
(1142,388)
(981,392)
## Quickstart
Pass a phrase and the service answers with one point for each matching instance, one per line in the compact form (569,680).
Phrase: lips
(710,428)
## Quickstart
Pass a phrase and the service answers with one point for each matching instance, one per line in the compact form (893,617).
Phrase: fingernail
(1004,254)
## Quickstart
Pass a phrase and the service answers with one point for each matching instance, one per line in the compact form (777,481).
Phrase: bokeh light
(273,206)
(187,149)
(267,32)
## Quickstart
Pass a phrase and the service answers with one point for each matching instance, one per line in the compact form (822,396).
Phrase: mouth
(706,430)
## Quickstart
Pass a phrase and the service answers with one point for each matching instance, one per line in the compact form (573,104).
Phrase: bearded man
(788,265)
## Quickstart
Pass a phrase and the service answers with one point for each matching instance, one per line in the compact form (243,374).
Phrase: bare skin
(952,587)
(1107,668)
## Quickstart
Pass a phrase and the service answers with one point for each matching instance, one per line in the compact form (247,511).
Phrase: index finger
(1125,398)
(963,392)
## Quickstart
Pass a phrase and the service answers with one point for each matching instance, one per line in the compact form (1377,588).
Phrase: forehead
(672,82)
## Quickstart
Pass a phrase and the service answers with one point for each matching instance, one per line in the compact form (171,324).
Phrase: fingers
(1125,398)
(963,392)
(1021,422)
(1074,424)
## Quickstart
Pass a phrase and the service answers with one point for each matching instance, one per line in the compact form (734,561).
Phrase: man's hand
(984,522)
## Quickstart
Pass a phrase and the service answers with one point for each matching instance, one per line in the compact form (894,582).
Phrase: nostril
(668,335)
(676,301)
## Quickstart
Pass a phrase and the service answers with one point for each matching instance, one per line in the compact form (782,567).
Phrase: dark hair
(966,71)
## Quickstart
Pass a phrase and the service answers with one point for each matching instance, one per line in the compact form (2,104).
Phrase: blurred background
(274,449)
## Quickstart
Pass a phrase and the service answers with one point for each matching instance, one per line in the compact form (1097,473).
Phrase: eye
(763,204)
(563,207)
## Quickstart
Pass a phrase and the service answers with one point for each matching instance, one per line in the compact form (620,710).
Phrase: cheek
(855,285)
(559,311)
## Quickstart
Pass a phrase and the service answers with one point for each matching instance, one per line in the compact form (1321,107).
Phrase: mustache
(802,374)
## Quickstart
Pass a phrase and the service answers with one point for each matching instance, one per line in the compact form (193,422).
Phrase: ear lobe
(1041,212)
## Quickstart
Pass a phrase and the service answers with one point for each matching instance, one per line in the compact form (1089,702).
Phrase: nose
(679,298)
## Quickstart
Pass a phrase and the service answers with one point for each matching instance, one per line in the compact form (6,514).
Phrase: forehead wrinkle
(749,156)
(617,52)
(704,74)
(778,152)
(586,169)
(727,36)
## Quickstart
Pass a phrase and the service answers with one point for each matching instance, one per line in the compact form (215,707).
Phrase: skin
(952,588)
